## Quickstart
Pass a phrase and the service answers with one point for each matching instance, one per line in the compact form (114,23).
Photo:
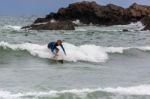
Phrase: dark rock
(62,25)
(41,20)
(125,30)
(146,21)
(93,13)
(136,12)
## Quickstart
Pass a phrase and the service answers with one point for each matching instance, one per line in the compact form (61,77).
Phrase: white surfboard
(58,58)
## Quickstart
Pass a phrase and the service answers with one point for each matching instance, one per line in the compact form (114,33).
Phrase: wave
(137,26)
(90,53)
(134,26)
(74,53)
(140,90)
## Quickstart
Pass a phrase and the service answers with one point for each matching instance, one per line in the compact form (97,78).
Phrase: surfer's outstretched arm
(63,49)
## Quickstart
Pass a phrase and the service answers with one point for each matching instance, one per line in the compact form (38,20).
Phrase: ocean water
(101,62)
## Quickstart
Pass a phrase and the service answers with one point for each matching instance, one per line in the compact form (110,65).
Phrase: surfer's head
(59,42)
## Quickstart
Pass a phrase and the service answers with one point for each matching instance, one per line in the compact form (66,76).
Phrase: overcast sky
(43,7)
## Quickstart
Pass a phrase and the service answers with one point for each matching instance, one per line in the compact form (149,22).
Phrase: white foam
(146,48)
(80,29)
(133,90)
(41,23)
(90,53)
(53,21)
(33,49)
(76,22)
(134,26)
(116,49)
(12,27)
(137,26)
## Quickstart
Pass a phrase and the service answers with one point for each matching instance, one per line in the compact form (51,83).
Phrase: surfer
(53,47)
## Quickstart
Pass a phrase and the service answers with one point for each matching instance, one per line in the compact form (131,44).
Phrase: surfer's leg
(57,50)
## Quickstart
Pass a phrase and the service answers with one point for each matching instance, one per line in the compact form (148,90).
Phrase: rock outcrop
(125,30)
(146,22)
(93,13)
(62,25)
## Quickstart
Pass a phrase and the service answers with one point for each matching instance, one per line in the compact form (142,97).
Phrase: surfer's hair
(59,41)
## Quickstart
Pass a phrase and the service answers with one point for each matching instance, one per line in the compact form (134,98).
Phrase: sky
(43,7)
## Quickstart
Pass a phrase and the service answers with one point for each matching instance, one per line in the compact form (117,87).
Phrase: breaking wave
(132,26)
(137,26)
(84,93)
(90,53)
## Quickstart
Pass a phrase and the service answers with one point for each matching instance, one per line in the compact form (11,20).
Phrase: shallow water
(101,62)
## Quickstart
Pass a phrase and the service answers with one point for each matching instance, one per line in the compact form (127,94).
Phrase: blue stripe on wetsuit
(52,46)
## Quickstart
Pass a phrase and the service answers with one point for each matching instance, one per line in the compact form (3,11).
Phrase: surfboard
(57,59)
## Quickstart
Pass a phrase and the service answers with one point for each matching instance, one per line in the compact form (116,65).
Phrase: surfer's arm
(63,49)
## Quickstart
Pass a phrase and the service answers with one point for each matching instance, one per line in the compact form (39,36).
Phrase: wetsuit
(53,47)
